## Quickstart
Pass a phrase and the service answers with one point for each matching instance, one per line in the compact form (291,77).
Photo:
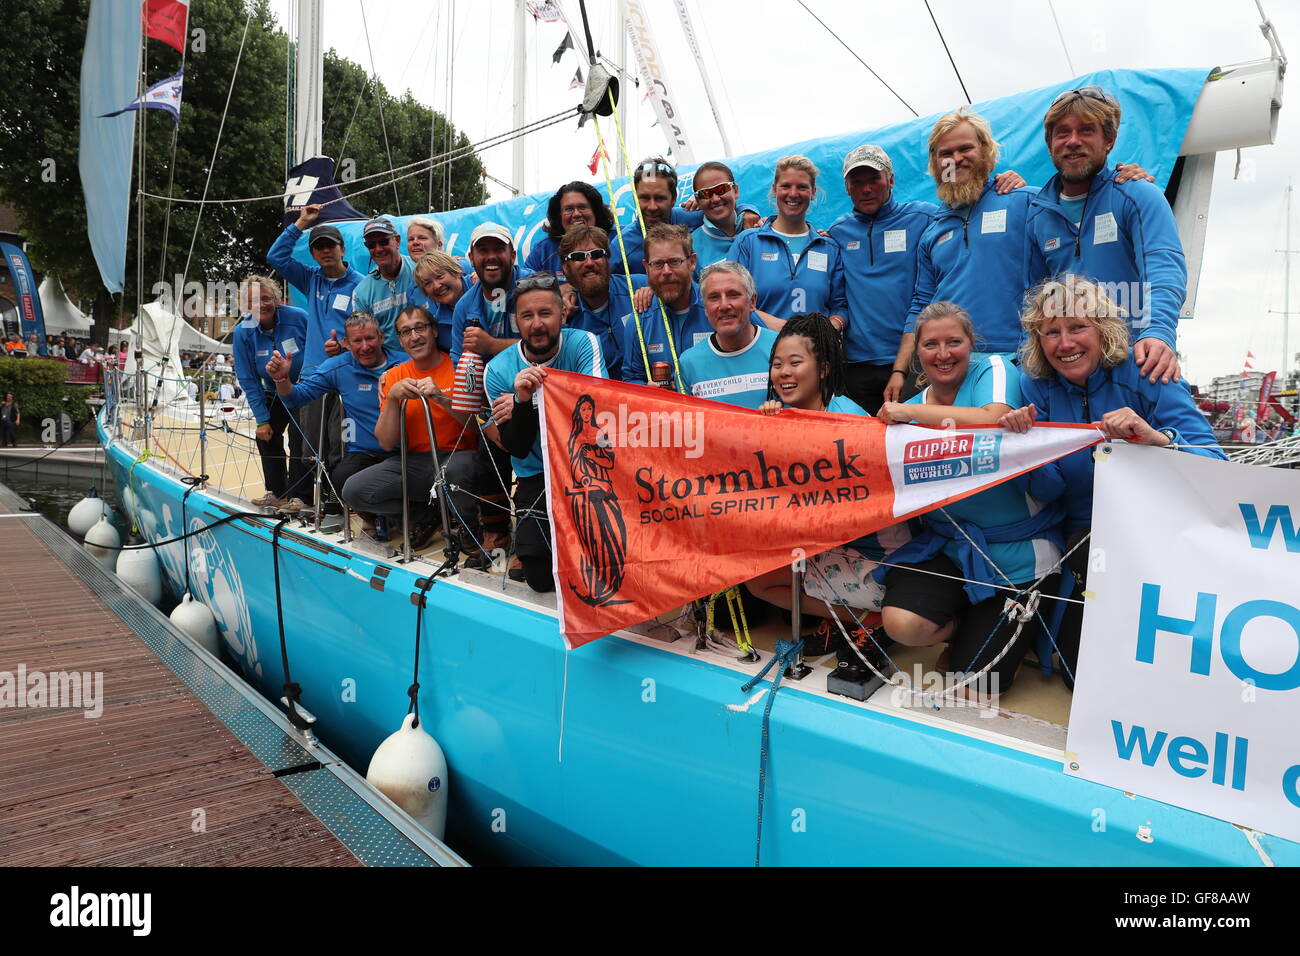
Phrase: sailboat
(637,749)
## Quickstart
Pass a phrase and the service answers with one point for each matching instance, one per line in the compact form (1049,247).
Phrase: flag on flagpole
(547,11)
(595,158)
(566,45)
(163,95)
(165,20)
(577,80)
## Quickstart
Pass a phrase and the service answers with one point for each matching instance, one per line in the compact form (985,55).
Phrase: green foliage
(40,390)
(40,122)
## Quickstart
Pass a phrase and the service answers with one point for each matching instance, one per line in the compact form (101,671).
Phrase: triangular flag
(595,158)
(163,95)
(1250,355)
(165,20)
(566,45)
(577,80)
(657,498)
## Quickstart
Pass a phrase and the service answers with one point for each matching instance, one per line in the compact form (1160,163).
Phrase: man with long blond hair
(1121,234)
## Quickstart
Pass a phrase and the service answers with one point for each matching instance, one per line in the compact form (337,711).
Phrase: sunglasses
(381,241)
(539,280)
(714,192)
(1087,92)
(582,255)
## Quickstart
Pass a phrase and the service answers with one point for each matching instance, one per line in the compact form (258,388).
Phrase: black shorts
(981,633)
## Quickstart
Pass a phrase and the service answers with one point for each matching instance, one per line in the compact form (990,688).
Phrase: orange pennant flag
(657,498)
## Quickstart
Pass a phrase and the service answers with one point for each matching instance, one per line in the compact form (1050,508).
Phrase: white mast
(309,73)
(626,87)
(517,175)
(684,15)
(1286,295)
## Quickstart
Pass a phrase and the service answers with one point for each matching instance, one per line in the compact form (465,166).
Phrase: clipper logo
(950,456)
(1051,245)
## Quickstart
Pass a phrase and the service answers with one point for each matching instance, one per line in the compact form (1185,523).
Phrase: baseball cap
(379,226)
(873,157)
(493,229)
(329,233)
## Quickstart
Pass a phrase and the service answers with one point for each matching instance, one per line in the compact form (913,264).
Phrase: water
(55,497)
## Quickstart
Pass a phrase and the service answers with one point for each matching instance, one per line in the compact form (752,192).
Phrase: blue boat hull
(640,754)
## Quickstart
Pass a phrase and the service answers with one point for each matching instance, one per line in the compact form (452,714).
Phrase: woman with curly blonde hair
(1079,368)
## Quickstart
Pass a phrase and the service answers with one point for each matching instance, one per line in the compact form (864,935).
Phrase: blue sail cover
(109,68)
(1157,106)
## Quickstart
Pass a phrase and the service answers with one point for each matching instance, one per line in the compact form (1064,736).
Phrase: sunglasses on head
(714,192)
(540,280)
(1087,92)
(582,255)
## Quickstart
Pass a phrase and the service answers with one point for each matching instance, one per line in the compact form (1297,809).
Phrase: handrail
(439,479)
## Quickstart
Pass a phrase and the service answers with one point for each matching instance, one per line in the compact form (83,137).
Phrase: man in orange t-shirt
(426,382)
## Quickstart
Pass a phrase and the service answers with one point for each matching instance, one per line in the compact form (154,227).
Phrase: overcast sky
(781,78)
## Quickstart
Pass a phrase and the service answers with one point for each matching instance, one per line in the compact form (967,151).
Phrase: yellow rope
(130,483)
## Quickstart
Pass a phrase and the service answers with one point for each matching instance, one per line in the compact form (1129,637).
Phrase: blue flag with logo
(164,95)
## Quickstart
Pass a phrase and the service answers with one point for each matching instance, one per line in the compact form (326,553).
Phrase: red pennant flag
(165,20)
(595,158)
(658,498)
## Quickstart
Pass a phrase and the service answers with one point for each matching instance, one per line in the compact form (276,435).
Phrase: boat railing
(440,487)
(1274,454)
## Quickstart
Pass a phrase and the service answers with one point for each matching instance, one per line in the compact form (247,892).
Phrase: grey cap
(379,226)
(329,233)
(873,157)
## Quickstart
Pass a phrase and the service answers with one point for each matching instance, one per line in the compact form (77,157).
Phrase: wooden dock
(158,778)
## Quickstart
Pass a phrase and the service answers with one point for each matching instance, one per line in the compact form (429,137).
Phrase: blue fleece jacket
(880,255)
(356,386)
(786,287)
(1162,406)
(251,347)
(329,301)
(1128,240)
(977,257)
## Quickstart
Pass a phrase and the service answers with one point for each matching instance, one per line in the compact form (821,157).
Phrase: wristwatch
(1171,435)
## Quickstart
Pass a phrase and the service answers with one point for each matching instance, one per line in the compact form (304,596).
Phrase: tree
(39,126)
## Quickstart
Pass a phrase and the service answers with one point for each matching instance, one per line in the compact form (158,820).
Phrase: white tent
(175,331)
(61,316)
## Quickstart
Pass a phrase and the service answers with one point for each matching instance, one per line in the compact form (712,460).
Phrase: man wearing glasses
(1122,235)
(426,378)
(599,300)
(670,262)
(520,370)
(382,293)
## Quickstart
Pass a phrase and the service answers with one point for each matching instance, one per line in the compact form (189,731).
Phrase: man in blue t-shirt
(521,369)
(353,376)
(731,365)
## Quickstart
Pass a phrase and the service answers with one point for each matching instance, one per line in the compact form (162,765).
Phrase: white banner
(651,67)
(1188,685)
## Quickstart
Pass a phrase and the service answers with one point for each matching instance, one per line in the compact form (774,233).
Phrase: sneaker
(423,533)
(293,506)
(267,500)
(516,570)
(870,639)
(823,640)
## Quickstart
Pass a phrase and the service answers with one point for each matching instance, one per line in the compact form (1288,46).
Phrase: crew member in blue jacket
(327,288)
(945,588)
(671,262)
(267,327)
(974,252)
(796,269)
(1079,368)
(598,300)
(574,204)
(354,377)
(1123,235)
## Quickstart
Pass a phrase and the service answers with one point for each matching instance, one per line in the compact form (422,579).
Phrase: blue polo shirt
(251,347)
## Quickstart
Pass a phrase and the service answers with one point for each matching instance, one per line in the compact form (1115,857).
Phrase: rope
(785,653)
(130,483)
(949,52)
(193,481)
(859,59)
(292,691)
(413,691)
(379,101)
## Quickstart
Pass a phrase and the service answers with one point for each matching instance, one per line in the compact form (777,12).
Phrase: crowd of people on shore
(999,304)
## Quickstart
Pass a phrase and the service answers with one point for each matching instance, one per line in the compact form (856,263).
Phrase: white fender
(194,619)
(410,769)
(103,541)
(86,512)
(128,502)
(139,569)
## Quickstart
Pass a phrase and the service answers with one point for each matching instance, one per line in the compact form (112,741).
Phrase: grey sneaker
(267,500)
(293,505)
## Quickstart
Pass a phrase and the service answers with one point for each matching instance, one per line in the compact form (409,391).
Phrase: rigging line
(446,114)
(216,146)
(289,78)
(458,153)
(859,59)
(1065,49)
(949,52)
(431,65)
(379,99)
(355,107)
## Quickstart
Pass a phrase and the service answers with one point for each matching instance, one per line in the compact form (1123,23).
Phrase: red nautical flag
(165,20)
(595,158)
(658,498)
